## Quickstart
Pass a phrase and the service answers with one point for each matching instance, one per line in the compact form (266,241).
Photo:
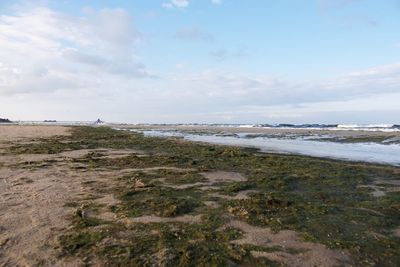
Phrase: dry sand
(28,132)
(31,201)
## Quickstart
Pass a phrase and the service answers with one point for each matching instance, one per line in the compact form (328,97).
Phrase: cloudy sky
(222,61)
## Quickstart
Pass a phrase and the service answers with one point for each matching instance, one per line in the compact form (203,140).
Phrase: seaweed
(321,199)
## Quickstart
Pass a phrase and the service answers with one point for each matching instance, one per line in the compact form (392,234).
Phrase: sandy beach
(74,196)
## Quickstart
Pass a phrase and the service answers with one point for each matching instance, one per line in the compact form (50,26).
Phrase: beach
(97,196)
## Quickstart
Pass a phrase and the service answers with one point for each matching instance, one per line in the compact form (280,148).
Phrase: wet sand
(267,131)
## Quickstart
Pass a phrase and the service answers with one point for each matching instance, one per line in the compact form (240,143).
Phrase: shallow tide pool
(368,152)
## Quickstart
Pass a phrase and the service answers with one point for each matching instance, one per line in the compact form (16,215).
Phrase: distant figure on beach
(99,121)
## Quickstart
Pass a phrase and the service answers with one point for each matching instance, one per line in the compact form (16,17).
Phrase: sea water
(366,152)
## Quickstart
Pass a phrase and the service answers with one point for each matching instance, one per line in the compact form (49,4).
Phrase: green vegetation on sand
(167,213)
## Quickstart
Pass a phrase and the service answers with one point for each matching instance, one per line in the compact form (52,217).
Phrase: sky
(201,61)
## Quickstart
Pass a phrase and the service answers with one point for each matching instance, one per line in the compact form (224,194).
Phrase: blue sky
(330,61)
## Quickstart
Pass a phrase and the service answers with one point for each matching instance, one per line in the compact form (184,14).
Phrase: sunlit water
(368,152)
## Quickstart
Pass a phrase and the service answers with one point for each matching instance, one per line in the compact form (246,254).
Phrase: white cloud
(367,96)
(184,3)
(43,50)
(216,92)
(176,3)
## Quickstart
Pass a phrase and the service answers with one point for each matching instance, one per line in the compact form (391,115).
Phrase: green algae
(321,199)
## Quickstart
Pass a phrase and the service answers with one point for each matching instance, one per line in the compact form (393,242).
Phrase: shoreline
(356,149)
(258,130)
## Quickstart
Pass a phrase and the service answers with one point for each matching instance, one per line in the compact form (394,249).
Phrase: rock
(137,183)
